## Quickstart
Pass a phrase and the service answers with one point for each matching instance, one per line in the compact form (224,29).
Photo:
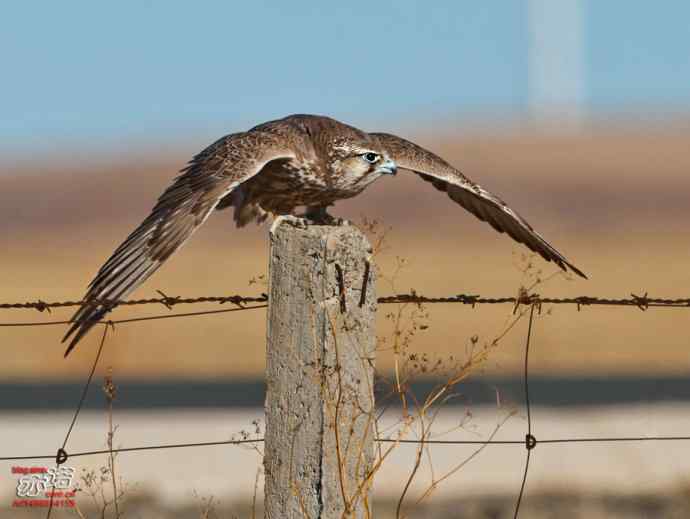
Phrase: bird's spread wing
(180,210)
(474,198)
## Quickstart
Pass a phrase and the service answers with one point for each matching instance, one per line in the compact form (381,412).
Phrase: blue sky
(102,74)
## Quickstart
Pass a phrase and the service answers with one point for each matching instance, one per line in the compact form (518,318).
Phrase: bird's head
(360,161)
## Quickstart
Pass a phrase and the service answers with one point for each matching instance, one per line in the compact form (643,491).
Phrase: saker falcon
(301,160)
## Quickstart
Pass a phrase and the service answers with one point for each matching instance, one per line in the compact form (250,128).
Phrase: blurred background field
(575,112)
(613,199)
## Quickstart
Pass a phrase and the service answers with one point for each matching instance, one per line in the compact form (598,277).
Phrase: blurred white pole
(556,60)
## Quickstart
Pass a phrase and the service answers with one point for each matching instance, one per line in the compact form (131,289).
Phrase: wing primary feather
(178,212)
(478,201)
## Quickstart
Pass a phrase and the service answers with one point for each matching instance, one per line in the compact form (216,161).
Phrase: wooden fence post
(320,422)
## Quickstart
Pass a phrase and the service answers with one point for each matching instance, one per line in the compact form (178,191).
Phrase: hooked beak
(388,167)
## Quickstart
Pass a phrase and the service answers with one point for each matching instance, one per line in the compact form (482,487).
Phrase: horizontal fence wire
(548,441)
(642,302)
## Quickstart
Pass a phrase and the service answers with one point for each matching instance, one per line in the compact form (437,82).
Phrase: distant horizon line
(114,147)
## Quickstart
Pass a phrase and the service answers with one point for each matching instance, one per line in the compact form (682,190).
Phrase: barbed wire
(167,301)
(523,298)
(642,302)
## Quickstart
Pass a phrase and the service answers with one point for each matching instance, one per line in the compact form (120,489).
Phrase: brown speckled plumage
(301,160)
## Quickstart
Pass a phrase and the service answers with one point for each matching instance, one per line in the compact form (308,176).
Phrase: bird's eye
(370,157)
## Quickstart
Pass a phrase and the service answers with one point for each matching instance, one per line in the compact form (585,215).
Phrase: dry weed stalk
(418,415)
(337,397)
(207,505)
(93,482)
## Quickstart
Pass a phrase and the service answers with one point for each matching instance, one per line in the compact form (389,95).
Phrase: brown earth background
(612,197)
